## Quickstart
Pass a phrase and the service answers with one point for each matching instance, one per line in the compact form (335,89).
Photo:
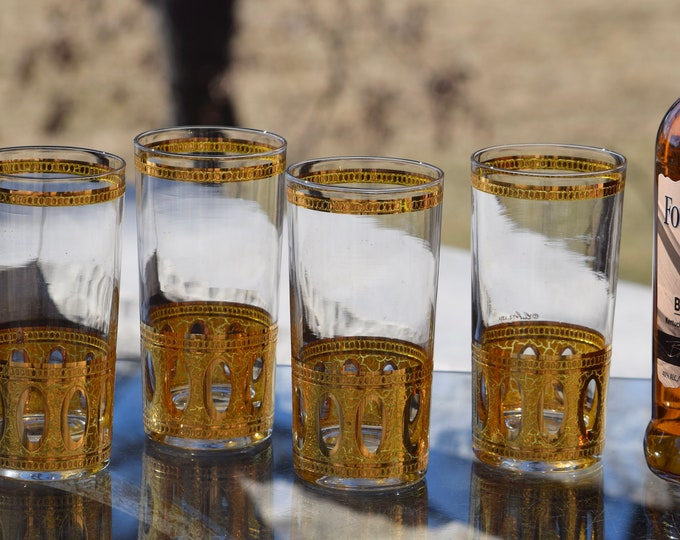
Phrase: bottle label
(668,282)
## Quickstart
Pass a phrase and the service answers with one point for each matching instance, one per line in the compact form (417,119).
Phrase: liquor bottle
(662,439)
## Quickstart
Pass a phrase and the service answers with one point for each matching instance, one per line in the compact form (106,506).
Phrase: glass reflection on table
(67,509)
(202,496)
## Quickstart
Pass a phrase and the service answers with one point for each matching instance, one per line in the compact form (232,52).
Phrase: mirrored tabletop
(150,492)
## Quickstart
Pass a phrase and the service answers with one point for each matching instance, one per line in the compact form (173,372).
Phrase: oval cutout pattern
(149,377)
(31,420)
(329,422)
(257,369)
(74,418)
(104,413)
(301,418)
(412,421)
(590,405)
(218,388)
(552,410)
(482,401)
(511,403)
(257,386)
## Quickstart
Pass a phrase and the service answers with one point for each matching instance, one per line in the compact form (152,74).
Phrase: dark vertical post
(199,34)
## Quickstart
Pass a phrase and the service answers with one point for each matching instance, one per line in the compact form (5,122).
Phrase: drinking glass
(209,217)
(61,212)
(546,224)
(364,237)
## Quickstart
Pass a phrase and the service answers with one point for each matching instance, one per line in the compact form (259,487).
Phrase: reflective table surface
(148,492)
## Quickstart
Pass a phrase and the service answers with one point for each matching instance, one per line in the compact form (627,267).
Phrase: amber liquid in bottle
(662,439)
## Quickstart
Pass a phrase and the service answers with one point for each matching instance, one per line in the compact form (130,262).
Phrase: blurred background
(431,80)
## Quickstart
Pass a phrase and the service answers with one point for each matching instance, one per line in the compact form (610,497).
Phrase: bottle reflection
(510,505)
(317,513)
(202,496)
(658,517)
(69,509)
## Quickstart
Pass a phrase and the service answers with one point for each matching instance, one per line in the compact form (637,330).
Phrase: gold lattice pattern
(488,178)
(539,392)
(56,390)
(228,165)
(208,371)
(361,409)
(411,200)
(113,182)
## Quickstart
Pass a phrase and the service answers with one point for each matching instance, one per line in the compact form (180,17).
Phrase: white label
(667,338)
(667,256)
(668,374)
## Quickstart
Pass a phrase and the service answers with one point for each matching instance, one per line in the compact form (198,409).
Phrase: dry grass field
(426,79)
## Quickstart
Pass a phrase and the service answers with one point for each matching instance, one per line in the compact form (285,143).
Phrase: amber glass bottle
(662,440)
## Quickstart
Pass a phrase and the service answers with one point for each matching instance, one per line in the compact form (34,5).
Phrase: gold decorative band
(222,326)
(548,338)
(114,182)
(208,371)
(365,360)
(361,409)
(539,392)
(384,203)
(268,162)
(56,389)
(611,182)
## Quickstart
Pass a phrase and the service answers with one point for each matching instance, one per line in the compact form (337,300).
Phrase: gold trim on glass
(67,169)
(539,392)
(361,408)
(208,371)
(305,196)
(56,399)
(545,169)
(217,171)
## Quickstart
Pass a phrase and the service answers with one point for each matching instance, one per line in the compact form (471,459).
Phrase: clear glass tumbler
(61,212)
(546,225)
(209,218)
(364,239)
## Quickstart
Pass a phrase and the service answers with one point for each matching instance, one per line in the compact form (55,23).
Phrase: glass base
(50,476)
(237,444)
(662,449)
(541,467)
(361,485)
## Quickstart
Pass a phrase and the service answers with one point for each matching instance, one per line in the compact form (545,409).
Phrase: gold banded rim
(56,177)
(210,154)
(366,190)
(548,172)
